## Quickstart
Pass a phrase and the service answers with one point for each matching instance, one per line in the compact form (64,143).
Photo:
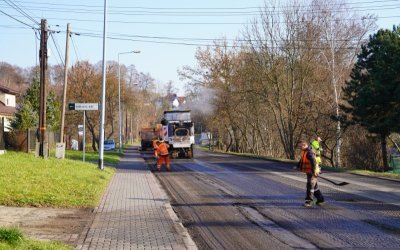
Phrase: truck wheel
(190,152)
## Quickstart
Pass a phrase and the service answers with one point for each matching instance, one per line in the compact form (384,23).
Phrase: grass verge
(109,157)
(29,181)
(11,238)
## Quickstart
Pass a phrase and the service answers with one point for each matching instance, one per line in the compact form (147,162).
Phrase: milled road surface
(230,202)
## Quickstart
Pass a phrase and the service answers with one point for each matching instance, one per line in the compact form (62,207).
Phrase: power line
(13,27)
(125,12)
(182,23)
(185,40)
(192,8)
(30,26)
(75,49)
(52,50)
(20,10)
(56,46)
(29,16)
(36,46)
(98,33)
(139,22)
(197,44)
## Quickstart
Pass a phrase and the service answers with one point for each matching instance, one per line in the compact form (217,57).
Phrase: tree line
(138,98)
(302,70)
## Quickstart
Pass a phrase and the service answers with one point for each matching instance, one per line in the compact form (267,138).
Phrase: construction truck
(149,135)
(178,132)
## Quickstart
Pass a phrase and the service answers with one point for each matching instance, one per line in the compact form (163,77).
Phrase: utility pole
(65,84)
(43,92)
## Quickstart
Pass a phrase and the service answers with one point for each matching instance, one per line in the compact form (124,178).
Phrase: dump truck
(178,132)
(148,135)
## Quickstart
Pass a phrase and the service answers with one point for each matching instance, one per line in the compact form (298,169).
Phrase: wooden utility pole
(43,90)
(65,84)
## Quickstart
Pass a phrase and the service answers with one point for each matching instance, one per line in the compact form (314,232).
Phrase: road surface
(231,202)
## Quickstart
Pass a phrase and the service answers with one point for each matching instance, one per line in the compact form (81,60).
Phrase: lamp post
(119,99)
(103,91)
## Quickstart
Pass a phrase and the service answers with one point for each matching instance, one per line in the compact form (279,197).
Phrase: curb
(188,241)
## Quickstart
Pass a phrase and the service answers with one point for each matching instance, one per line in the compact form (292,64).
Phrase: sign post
(84,136)
(83,107)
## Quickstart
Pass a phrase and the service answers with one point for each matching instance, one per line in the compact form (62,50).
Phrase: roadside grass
(12,238)
(27,181)
(325,168)
(109,157)
(378,174)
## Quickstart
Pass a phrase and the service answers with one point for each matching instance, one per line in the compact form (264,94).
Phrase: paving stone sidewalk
(135,213)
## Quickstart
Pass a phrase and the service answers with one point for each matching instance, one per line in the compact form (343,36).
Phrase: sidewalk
(135,213)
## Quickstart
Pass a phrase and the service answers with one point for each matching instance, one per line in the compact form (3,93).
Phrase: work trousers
(163,159)
(313,189)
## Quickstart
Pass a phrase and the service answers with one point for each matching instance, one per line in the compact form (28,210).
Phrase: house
(7,106)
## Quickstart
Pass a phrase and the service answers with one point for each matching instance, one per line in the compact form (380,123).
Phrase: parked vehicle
(109,145)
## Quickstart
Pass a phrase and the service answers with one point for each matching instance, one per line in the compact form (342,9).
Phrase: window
(7,102)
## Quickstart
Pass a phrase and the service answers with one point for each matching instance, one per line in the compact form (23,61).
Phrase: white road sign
(86,106)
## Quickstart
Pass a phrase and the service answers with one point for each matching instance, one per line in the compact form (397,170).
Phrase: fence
(394,162)
(2,142)
(25,140)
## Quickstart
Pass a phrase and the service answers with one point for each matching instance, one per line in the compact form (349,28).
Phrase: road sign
(71,106)
(80,130)
(83,106)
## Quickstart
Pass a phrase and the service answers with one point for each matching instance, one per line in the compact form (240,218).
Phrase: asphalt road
(230,202)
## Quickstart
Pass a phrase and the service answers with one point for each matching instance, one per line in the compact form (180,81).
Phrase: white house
(7,105)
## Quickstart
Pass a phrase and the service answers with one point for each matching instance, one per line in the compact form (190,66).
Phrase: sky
(167,33)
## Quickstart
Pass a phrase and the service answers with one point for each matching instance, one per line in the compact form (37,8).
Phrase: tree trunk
(338,144)
(94,142)
(384,153)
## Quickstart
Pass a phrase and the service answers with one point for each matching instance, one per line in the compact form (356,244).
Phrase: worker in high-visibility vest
(317,150)
(308,165)
(163,155)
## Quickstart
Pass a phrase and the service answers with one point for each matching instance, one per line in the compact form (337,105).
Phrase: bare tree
(282,45)
(341,33)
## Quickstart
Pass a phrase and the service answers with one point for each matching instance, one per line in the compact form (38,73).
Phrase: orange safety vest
(305,164)
(162,149)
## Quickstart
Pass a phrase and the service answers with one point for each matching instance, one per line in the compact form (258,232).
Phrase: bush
(361,150)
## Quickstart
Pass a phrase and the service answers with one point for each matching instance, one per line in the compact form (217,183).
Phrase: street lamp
(103,90)
(119,99)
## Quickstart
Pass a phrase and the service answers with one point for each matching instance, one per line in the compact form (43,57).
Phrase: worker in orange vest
(309,166)
(163,155)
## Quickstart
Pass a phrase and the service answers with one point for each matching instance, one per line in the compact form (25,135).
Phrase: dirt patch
(63,225)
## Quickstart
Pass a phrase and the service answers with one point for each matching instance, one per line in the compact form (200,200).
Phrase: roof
(6,110)
(7,90)
(181,99)
(176,111)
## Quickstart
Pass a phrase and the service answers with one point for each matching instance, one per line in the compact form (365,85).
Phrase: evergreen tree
(373,93)
(27,115)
